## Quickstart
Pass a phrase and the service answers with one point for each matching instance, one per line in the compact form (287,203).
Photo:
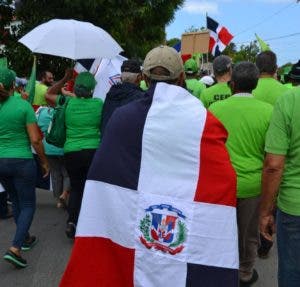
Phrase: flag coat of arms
(159,206)
(220,37)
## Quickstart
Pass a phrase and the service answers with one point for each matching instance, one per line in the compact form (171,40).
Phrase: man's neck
(223,79)
(266,75)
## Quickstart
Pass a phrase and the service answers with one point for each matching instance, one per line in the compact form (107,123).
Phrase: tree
(137,25)
(173,41)
(247,53)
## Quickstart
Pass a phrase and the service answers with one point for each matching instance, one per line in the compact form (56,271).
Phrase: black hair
(245,77)
(266,62)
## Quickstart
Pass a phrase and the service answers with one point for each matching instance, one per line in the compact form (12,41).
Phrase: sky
(243,18)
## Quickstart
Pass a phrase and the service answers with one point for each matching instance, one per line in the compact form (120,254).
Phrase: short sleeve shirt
(15,115)
(39,97)
(82,119)
(218,92)
(246,120)
(283,138)
(268,90)
(195,87)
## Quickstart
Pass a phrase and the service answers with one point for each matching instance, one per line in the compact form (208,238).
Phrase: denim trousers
(288,244)
(18,177)
(3,204)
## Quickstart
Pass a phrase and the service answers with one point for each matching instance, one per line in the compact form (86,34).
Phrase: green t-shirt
(283,138)
(82,121)
(218,92)
(39,96)
(15,114)
(246,120)
(195,87)
(268,90)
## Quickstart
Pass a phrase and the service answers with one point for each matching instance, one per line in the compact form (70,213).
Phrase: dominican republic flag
(159,206)
(220,37)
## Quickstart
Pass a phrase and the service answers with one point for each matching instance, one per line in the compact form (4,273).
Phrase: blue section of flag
(210,276)
(177,47)
(118,159)
(211,24)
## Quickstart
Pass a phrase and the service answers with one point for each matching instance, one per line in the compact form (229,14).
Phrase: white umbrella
(71,39)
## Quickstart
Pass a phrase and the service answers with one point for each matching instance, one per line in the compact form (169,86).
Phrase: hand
(267,226)
(67,93)
(68,74)
(24,95)
(45,168)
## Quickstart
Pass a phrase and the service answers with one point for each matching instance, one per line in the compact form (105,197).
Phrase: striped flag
(159,203)
(220,37)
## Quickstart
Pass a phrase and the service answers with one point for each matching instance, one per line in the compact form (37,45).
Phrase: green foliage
(145,227)
(181,235)
(247,53)
(194,29)
(137,25)
(173,41)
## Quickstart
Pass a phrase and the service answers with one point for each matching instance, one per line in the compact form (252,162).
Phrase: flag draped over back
(30,87)
(220,37)
(159,203)
(262,44)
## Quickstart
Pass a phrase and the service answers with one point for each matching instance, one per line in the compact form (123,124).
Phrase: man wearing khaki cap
(159,205)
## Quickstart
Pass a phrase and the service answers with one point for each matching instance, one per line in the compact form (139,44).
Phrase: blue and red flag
(159,206)
(220,37)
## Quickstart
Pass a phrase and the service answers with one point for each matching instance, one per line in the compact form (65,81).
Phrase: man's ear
(138,79)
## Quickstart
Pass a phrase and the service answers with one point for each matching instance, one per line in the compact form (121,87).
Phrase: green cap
(190,66)
(7,77)
(86,80)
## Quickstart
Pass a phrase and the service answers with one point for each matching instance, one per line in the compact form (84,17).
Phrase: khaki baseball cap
(166,57)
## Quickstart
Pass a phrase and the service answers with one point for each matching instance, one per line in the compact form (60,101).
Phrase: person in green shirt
(268,89)
(246,120)
(42,87)
(82,120)
(220,91)
(18,132)
(192,83)
(281,181)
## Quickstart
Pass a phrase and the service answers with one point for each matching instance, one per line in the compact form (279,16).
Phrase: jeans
(3,204)
(77,165)
(18,177)
(288,242)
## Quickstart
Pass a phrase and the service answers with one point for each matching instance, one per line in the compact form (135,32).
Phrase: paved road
(49,257)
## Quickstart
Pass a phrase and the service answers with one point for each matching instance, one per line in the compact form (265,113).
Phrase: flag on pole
(220,37)
(108,74)
(263,45)
(158,210)
(30,87)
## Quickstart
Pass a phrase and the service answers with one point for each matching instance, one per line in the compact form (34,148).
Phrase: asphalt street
(47,260)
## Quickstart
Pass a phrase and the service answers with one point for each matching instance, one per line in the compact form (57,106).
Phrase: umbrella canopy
(71,39)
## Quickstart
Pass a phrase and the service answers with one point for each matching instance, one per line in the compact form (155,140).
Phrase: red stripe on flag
(212,43)
(96,261)
(217,178)
(224,36)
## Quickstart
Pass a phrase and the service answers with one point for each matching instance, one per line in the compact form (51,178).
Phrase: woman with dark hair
(82,121)
(18,132)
